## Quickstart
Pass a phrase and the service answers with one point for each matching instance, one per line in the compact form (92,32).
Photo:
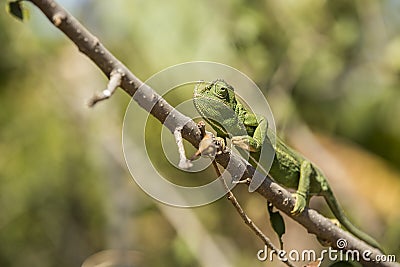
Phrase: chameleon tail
(339,214)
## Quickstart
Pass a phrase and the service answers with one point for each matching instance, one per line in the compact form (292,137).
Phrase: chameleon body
(218,105)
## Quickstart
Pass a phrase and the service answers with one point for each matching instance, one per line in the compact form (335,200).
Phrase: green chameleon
(218,105)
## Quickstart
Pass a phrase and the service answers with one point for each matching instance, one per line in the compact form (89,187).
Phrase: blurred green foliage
(65,193)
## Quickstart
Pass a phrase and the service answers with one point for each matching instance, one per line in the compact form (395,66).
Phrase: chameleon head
(216,103)
(218,90)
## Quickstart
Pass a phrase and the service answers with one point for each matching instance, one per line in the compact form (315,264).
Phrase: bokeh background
(329,69)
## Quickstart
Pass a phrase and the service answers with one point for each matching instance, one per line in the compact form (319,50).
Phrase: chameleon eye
(221,90)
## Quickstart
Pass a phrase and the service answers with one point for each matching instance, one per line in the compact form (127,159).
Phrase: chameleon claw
(245,142)
(300,203)
(242,142)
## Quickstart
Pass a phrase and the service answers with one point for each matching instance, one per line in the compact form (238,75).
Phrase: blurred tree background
(330,70)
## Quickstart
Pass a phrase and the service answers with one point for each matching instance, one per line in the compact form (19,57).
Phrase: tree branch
(152,102)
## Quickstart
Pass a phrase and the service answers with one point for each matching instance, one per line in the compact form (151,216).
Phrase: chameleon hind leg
(302,193)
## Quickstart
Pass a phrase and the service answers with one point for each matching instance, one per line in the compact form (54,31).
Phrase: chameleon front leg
(302,193)
(255,142)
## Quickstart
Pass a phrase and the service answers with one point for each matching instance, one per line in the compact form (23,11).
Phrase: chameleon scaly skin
(219,106)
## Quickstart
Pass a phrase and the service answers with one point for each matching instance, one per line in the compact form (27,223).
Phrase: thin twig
(184,163)
(113,84)
(231,197)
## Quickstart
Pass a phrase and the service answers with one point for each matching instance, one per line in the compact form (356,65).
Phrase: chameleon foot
(245,142)
(300,204)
